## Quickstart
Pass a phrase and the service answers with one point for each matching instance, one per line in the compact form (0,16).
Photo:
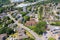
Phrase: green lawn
(40,13)
(51,38)
(28,39)
(57,23)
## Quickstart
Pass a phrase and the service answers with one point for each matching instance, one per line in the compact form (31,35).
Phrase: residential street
(22,26)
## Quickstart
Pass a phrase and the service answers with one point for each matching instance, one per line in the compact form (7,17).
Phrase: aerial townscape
(29,19)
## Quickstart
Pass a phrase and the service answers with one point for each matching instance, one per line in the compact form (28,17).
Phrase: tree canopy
(39,28)
(26,18)
(4,1)
(6,30)
(23,13)
(1,9)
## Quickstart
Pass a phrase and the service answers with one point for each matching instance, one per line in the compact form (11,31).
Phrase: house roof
(2,35)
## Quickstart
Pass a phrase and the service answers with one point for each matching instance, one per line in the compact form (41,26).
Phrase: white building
(14,1)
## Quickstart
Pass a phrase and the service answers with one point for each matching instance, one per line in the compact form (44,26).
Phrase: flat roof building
(14,1)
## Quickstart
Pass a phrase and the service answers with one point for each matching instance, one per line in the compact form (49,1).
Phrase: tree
(2,30)
(1,9)
(4,1)
(23,13)
(20,9)
(9,30)
(6,17)
(30,0)
(40,27)
(6,30)
(10,21)
(26,18)
(29,8)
